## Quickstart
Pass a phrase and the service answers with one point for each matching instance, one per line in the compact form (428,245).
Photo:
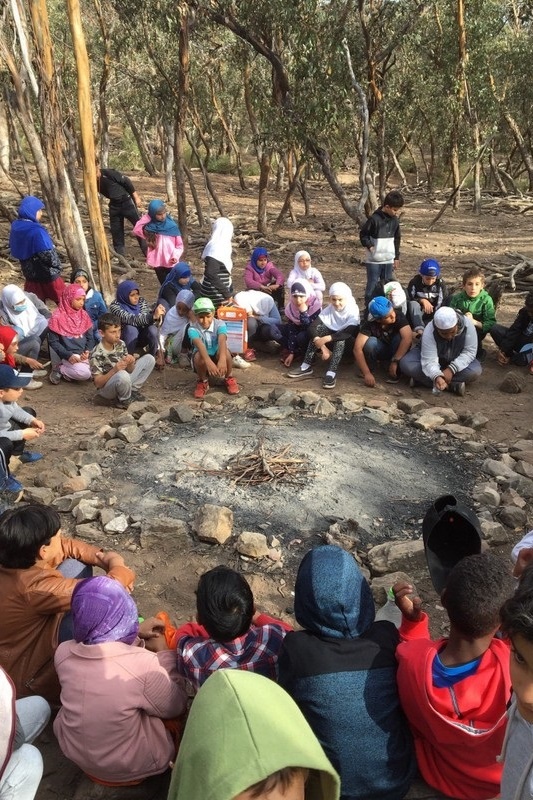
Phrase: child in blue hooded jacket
(341,671)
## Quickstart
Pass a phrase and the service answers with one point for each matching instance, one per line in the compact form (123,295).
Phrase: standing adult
(124,203)
(30,242)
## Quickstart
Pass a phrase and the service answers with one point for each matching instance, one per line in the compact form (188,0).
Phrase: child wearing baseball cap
(17,426)
(210,349)
(385,335)
(426,292)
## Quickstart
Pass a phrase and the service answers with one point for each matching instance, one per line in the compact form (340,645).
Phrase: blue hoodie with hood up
(341,671)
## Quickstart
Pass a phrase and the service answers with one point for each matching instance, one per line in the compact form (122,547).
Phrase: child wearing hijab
(71,337)
(263,276)
(9,343)
(341,671)
(264,321)
(94,302)
(384,336)
(115,694)
(173,336)
(217,284)
(303,271)
(28,316)
(303,308)
(163,238)
(335,325)
(30,242)
(136,318)
(178,278)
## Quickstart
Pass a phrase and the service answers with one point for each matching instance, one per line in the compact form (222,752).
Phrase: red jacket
(459,730)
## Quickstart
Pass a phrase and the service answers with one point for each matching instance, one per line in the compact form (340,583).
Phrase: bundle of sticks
(258,466)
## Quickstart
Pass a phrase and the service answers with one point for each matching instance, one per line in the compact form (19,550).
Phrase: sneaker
(232,386)
(122,404)
(201,389)
(240,363)
(459,388)
(11,485)
(136,395)
(40,373)
(249,355)
(55,377)
(29,458)
(329,382)
(300,373)
(32,385)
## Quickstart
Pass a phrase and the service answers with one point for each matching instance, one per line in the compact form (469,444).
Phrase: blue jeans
(411,366)
(376,350)
(374,274)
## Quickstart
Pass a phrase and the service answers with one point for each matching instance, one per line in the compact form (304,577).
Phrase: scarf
(29,322)
(258,253)
(6,338)
(292,312)
(65,320)
(337,319)
(219,245)
(173,323)
(27,236)
(166,227)
(123,297)
(103,611)
(179,270)
(393,290)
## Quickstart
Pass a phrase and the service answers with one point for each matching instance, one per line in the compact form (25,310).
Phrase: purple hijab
(123,297)
(103,611)
(258,253)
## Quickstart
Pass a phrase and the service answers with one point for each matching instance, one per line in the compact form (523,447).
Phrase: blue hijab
(167,227)
(179,270)
(258,253)
(123,297)
(27,236)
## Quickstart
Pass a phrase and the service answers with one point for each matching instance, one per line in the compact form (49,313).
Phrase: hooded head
(331,595)
(103,611)
(256,731)
(29,207)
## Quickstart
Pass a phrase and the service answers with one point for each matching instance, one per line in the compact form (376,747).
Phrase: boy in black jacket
(516,343)
(381,236)
(426,292)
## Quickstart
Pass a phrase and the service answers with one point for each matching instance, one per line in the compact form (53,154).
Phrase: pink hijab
(65,320)
(313,303)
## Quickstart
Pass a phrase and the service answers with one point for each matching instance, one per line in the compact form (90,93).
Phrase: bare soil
(168,580)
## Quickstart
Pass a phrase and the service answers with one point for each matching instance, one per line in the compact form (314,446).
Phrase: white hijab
(173,322)
(29,322)
(338,319)
(219,245)
(255,302)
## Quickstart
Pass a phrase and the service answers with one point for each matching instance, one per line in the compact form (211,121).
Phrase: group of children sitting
(357,701)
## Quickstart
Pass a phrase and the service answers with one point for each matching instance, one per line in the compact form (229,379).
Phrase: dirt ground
(456,241)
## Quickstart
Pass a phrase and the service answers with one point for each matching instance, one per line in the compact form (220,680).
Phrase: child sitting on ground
(264,321)
(303,308)
(229,634)
(210,350)
(426,292)
(476,304)
(263,276)
(179,278)
(115,694)
(9,341)
(334,326)
(455,691)
(257,746)
(117,375)
(94,303)
(39,570)
(516,343)
(173,336)
(385,335)
(18,425)
(303,271)
(136,318)
(341,671)
(71,337)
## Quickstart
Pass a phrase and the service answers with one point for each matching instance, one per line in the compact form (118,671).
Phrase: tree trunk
(496,175)
(181,116)
(527,157)
(196,199)
(229,135)
(146,158)
(294,179)
(5,159)
(168,160)
(102,129)
(323,158)
(210,189)
(262,223)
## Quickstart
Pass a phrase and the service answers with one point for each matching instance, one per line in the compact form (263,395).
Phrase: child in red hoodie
(455,691)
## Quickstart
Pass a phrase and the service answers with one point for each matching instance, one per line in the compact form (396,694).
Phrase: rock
(410,405)
(167,534)
(475,421)
(88,444)
(524,468)
(512,516)
(50,479)
(67,467)
(523,486)
(529,433)
(86,510)
(85,457)
(511,384)
(213,400)
(486,495)
(512,498)
(352,403)
(523,455)
(391,556)
(239,403)
(111,433)
(275,412)
(213,524)
(428,421)
(38,494)
(117,525)
(520,444)
(126,418)
(494,533)
(140,407)
(274,554)
(377,415)
(473,447)
(497,468)
(448,414)
(381,585)
(252,544)
(106,515)
(381,405)
(73,485)
(259,394)
(89,532)
(67,502)
(309,399)
(91,472)
(324,408)
(276,393)
(103,430)
(148,418)
(287,398)
(181,412)
(457,431)
(130,433)
(115,445)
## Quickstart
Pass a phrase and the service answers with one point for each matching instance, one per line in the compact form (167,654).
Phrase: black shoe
(329,382)
(481,354)
(135,395)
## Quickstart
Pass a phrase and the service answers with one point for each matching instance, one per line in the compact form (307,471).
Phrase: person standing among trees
(124,203)
(380,235)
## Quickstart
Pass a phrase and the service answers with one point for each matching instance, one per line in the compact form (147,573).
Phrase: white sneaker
(32,385)
(240,363)
(40,373)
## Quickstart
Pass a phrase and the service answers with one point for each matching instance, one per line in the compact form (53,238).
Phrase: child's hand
(213,369)
(129,360)
(411,609)
(502,358)
(33,363)
(123,363)
(288,361)
(30,433)
(152,631)
(525,557)
(159,311)
(38,424)
(369,380)
(426,306)
(74,359)
(85,356)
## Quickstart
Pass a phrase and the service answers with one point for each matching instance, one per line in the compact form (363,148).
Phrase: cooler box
(236,321)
